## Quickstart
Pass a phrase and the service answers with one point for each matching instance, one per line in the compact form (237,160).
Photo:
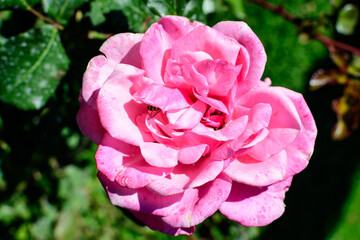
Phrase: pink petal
(157,41)
(195,79)
(145,201)
(159,155)
(242,33)
(247,170)
(187,176)
(157,224)
(276,140)
(187,118)
(190,155)
(219,105)
(284,113)
(301,149)
(208,40)
(255,206)
(162,97)
(220,76)
(231,131)
(98,70)
(117,108)
(123,163)
(210,197)
(89,123)
(123,48)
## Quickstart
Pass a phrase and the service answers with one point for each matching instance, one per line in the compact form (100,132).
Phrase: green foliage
(31,67)
(61,10)
(348,227)
(347,19)
(17,3)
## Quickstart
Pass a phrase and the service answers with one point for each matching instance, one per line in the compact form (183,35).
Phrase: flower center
(213,118)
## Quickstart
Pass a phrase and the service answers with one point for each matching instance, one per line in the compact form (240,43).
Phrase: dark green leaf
(17,3)
(347,19)
(161,7)
(193,10)
(31,66)
(61,11)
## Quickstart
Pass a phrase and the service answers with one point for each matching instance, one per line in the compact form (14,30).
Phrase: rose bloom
(185,126)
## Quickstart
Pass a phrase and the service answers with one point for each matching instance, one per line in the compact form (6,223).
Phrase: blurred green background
(48,184)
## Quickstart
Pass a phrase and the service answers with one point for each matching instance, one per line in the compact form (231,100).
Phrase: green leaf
(17,3)
(347,19)
(31,66)
(61,10)
(237,8)
(96,14)
(161,7)
(348,225)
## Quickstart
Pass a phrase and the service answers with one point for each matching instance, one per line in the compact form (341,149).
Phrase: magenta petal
(162,97)
(123,163)
(128,53)
(157,41)
(208,40)
(117,108)
(159,155)
(89,123)
(247,170)
(301,149)
(157,224)
(242,33)
(255,206)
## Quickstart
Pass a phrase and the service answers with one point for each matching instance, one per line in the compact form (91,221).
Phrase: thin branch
(328,42)
(42,17)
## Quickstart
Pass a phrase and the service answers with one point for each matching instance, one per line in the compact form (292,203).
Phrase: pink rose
(186,127)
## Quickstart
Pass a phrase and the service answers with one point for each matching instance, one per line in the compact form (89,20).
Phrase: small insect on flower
(153,111)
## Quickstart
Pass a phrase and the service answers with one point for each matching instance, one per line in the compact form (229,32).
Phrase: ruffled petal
(118,109)
(88,121)
(190,155)
(301,149)
(128,53)
(162,97)
(159,155)
(187,176)
(123,163)
(157,42)
(156,223)
(187,118)
(208,40)
(98,70)
(255,206)
(246,170)
(242,33)
(210,197)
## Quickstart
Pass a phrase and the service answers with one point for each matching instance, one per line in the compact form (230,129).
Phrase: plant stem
(328,42)
(42,17)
